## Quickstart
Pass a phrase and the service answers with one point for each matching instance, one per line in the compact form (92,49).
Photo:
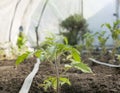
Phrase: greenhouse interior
(65,46)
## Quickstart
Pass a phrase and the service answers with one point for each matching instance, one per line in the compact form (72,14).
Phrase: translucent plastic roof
(27,13)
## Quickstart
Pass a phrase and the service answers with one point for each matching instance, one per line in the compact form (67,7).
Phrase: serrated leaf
(81,66)
(75,53)
(22,57)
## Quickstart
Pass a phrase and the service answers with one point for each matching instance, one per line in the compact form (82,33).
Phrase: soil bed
(103,80)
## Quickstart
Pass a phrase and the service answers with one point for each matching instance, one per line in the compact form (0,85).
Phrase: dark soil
(102,80)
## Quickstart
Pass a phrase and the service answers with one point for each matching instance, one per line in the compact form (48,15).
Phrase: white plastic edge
(28,81)
(103,63)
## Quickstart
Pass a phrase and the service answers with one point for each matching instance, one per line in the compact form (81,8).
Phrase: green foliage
(66,40)
(74,22)
(21,40)
(102,40)
(22,57)
(38,53)
(55,50)
(118,57)
(75,27)
(75,54)
(52,82)
(81,66)
(115,30)
(51,51)
(80,47)
(89,39)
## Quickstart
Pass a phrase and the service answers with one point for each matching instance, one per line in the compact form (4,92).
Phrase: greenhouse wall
(96,12)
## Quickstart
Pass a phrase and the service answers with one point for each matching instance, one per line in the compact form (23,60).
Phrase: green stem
(114,50)
(57,73)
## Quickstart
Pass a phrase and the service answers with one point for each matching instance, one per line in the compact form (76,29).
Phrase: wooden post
(117,10)
(37,36)
(13,17)
(82,8)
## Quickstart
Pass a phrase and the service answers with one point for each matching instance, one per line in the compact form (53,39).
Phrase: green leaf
(51,49)
(102,25)
(76,55)
(74,52)
(108,26)
(54,83)
(51,82)
(66,40)
(64,80)
(50,52)
(118,57)
(81,66)
(67,66)
(69,57)
(42,57)
(22,57)
(47,83)
(115,24)
(38,53)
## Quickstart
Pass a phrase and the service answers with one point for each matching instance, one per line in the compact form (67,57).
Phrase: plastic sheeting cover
(96,12)
(22,17)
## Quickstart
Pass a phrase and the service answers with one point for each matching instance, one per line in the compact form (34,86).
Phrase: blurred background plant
(21,38)
(102,41)
(89,40)
(115,34)
(74,27)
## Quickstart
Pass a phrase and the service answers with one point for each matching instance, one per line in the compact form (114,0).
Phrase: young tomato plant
(89,39)
(52,50)
(102,40)
(115,32)
(21,38)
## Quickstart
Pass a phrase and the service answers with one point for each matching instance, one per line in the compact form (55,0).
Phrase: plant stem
(114,50)
(57,73)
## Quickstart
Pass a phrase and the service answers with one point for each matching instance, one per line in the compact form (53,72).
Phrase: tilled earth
(102,80)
